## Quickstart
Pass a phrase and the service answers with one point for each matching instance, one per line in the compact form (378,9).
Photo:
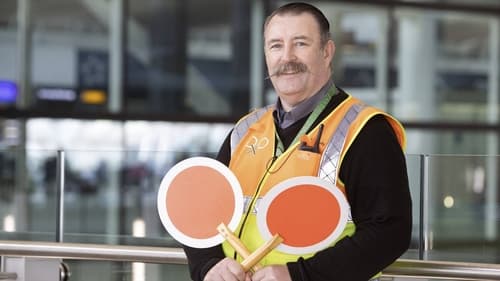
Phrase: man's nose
(289,53)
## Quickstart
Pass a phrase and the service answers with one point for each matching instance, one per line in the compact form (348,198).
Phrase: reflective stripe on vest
(331,156)
(241,128)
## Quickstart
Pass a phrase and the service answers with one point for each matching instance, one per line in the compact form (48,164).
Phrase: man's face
(297,63)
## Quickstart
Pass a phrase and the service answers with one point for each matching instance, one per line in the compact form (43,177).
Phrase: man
(372,172)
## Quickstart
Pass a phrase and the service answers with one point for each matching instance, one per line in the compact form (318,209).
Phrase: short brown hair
(297,8)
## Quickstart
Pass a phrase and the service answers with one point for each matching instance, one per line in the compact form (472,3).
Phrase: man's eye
(300,44)
(275,46)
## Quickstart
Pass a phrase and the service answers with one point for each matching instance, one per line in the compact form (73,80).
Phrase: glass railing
(455,207)
(110,198)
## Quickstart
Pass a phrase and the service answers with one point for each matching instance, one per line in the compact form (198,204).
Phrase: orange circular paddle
(195,196)
(307,212)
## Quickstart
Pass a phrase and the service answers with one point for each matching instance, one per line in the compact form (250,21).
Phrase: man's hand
(272,273)
(227,270)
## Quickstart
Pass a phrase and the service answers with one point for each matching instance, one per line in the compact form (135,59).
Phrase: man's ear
(329,51)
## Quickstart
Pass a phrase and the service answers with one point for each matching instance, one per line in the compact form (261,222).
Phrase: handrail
(80,251)
(443,270)
(8,276)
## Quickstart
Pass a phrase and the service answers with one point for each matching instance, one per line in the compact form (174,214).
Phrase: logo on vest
(255,144)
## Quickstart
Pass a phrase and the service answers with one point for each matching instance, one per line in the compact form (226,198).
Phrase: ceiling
(92,15)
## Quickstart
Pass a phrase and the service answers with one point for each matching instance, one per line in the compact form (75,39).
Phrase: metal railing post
(60,195)
(424,241)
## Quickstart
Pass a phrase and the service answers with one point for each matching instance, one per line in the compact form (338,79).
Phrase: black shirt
(375,177)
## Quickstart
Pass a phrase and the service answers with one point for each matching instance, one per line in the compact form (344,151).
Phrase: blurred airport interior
(121,90)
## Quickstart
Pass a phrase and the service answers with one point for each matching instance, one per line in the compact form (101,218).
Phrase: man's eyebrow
(302,37)
(270,41)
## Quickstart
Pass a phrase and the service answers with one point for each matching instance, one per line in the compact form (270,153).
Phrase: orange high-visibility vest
(253,162)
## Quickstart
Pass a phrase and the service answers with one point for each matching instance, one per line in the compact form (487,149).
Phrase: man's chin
(289,81)
(287,89)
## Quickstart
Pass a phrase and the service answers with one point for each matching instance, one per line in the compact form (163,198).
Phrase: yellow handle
(236,243)
(250,260)
(263,250)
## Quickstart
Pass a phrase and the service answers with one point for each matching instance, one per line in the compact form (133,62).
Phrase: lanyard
(280,147)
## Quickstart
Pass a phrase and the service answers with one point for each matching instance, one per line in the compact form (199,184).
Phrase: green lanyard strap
(280,147)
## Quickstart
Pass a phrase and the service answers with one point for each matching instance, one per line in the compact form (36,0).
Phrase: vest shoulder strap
(350,126)
(330,159)
(242,126)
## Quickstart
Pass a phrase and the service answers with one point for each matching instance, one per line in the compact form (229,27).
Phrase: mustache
(288,67)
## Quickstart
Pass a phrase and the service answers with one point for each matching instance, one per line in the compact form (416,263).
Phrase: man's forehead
(291,25)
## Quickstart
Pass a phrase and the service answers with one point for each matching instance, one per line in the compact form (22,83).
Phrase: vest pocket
(308,162)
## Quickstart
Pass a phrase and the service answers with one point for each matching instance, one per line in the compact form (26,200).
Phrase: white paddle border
(290,183)
(162,194)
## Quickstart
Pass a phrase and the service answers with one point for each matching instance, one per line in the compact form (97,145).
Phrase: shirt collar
(286,119)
